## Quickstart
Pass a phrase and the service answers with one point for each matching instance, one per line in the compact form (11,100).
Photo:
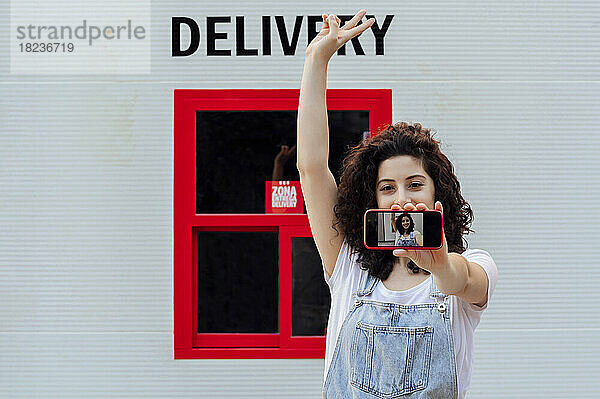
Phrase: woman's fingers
(333,25)
(325,22)
(332,22)
(421,206)
(352,23)
(331,37)
(357,30)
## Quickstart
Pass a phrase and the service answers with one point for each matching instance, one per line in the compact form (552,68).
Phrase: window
(249,284)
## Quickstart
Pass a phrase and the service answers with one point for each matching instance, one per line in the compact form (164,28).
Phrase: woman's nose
(401,202)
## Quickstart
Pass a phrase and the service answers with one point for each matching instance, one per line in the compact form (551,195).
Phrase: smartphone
(387,229)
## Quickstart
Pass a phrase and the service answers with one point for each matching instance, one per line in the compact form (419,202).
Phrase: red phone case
(394,247)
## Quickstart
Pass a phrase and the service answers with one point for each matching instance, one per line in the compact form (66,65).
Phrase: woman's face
(401,179)
(405,222)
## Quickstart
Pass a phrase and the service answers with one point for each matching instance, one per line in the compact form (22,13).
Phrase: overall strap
(439,297)
(435,292)
(366,284)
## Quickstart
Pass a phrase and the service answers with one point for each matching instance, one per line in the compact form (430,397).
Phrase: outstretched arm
(313,130)
(317,181)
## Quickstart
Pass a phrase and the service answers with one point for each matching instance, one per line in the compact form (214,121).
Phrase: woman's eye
(413,185)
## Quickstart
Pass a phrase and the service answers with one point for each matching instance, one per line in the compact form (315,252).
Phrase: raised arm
(318,184)
(419,238)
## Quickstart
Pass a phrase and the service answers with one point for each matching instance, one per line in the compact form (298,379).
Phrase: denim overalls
(387,350)
(410,241)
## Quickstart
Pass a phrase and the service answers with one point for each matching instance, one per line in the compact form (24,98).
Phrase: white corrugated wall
(86,173)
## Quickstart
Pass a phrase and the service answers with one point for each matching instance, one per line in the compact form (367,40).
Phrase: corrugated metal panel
(513,363)
(462,40)
(133,365)
(86,204)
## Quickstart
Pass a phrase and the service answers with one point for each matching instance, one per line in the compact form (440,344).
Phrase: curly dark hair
(399,227)
(358,179)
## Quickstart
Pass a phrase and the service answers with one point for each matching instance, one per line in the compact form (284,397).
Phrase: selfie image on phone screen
(385,229)
(407,229)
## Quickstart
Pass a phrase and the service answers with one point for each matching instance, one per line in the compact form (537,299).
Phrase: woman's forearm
(453,279)
(312,130)
(277,172)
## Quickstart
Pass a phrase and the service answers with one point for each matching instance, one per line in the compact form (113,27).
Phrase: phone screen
(386,229)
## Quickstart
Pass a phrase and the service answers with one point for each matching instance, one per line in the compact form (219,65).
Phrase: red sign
(283,196)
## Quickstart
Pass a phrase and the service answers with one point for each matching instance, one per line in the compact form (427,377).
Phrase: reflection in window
(310,295)
(238,287)
(236,152)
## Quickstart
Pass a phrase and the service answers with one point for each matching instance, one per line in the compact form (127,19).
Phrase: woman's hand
(332,37)
(431,260)
(284,154)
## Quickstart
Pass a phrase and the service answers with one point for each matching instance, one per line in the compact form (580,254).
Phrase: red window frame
(188,344)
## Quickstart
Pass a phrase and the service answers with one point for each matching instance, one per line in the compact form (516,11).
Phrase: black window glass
(236,152)
(310,294)
(238,286)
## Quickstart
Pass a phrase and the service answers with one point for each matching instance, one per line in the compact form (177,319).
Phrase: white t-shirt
(344,283)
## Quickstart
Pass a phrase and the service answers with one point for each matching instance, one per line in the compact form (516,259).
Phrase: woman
(406,235)
(401,323)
